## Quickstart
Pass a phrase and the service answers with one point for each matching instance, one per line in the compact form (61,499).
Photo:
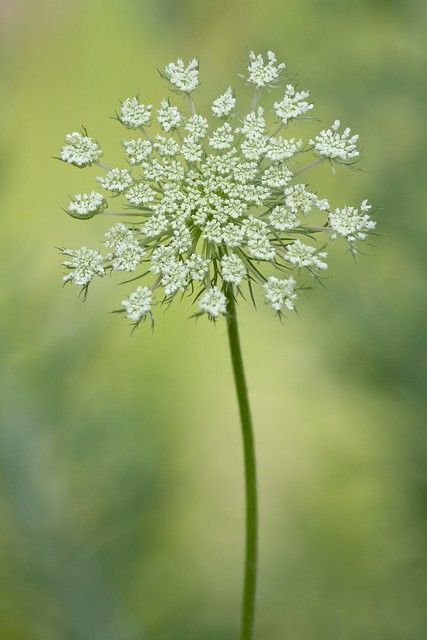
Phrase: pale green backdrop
(120,461)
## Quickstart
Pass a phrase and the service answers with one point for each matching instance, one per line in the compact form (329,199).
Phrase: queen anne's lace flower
(304,255)
(137,150)
(233,269)
(80,150)
(279,149)
(351,223)
(169,117)
(184,78)
(224,105)
(332,144)
(213,302)
(133,114)
(116,180)
(138,304)
(86,205)
(298,198)
(282,219)
(280,292)
(126,250)
(208,209)
(222,138)
(292,105)
(166,146)
(264,74)
(84,265)
(197,126)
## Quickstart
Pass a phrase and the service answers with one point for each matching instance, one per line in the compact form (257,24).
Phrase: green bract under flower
(214,204)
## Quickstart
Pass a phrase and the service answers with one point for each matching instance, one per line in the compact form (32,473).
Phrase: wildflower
(133,114)
(183,78)
(304,255)
(140,194)
(279,149)
(197,126)
(80,150)
(352,223)
(213,302)
(168,116)
(277,176)
(138,304)
(282,219)
(298,198)
(222,138)
(329,143)
(166,146)
(292,105)
(224,105)
(232,268)
(264,74)
(137,150)
(191,150)
(116,180)
(214,206)
(280,292)
(84,265)
(197,266)
(86,205)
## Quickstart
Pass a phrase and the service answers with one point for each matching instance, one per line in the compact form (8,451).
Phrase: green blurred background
(121,494)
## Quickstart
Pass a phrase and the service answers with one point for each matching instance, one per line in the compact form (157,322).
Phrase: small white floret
(264,73)
(138,304)
(280,292)
(80,150)
(213,302)
(184,78)
(133,114)
(224,105)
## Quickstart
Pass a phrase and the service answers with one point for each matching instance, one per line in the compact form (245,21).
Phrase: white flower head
(232,269)
(138,304)
(213,207)
(264,72)
(222,137)
(352,223)
(279,149)
(84,265)
(299,199)
(126,251)
(137,150)
(166,146)
(191,149)
(86,205)
(213,302)
(280,292)
(330,143)
(169,117)
(293,105)
(224,105)
(80,150)
(197,266)
(140,194)
(304,255)
(282,219)
(197,126)
(116,180)
(133,114)
(184,78)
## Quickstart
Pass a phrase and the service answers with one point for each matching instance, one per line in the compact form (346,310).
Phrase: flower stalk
(251,543)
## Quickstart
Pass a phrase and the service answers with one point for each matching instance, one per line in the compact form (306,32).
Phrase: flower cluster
(214,205)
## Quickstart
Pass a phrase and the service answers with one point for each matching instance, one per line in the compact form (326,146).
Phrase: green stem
(251,553)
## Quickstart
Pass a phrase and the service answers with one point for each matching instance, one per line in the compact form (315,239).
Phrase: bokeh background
(121,493)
